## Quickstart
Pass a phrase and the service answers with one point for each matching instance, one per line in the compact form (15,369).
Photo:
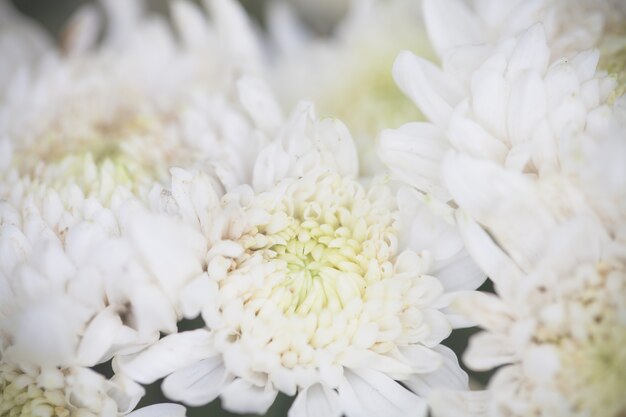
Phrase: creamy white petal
(242,397)
(167,355)
(488,350)
(316,400)
(197,384)
(450,23)
(460,403)
(366,393)
(160,410)
(433,91)
(449,376)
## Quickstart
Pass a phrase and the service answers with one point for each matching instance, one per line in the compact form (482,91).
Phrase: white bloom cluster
(162,220)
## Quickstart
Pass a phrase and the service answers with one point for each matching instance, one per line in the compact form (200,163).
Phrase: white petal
(446,403)
(488,310)
(434,92)
(242,397)
(81,32)
(449,375)
(195,295)
(422,359)
(314,401)
(531,52)
(469,137)
(236,32)
(459,272)
(493,196)
(440,327)
(190,23)
(585,64)
(488,350)
(171,250)
(486,253)
(527,106)
(160,410)
(256,97)
(100,333)
(197,384)
(413,153)
(489,96)
(450,24)
(167,355)
(366,393)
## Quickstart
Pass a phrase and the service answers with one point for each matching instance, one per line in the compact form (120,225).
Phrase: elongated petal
(160,410)
(197,384)
(366,393)
(433,91)
(450,24)
(448,375)
(167,355)
(447,403)
(242,397)
(316,400)
(487,350)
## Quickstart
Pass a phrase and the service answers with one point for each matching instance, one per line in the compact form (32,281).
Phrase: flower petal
(314,401)
(197,384)
(242,397)
(449,375)
(367,393)
(160,410)
(169,354)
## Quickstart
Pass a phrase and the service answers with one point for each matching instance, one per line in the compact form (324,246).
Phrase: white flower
(132,106)
(518,130)
(85,135)
(72,392)
(570,27)
(315,285)
(348,74)
(21,43)
(559,332)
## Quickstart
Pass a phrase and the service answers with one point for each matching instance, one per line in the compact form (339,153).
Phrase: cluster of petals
(526,135)
(87,129)
(312,284)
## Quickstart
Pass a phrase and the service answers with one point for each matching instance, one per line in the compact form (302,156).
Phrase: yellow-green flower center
(327,246)
(613,61)
(591,352)
(21,396)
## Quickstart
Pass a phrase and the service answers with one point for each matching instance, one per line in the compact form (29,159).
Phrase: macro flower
(69,392)
(557,334)
(521,118)
(316,285)
(86,133)
(87,130)
(347,75)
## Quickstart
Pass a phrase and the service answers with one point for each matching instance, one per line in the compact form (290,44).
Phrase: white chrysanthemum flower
(559,332)
(315,285)
(348,75)
(34,391)
(84,137)
(133,106)
(521,123)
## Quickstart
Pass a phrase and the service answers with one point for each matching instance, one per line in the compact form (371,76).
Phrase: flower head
(315,285)
(559,334)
